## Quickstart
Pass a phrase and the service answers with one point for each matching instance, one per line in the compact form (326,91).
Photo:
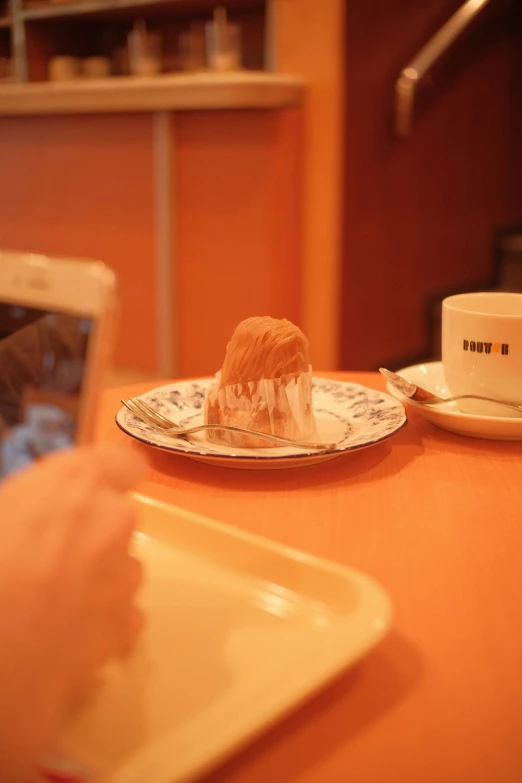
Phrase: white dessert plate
(239,630)
(349,414)
(431,377)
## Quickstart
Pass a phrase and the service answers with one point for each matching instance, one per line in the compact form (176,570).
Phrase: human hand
(67,589)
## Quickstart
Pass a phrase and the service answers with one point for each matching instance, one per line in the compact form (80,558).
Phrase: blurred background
(344,164)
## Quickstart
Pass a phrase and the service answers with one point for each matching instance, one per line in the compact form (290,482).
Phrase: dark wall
(421,212)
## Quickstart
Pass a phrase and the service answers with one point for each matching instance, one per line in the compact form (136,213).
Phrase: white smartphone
(57,320)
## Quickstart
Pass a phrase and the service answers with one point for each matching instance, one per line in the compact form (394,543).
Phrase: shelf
(246,90)
(5,21)
(94,7)
(108,8)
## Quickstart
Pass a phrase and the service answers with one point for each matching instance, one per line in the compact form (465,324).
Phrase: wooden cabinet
(214,197)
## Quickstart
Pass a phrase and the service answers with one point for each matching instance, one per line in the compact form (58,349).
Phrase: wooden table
(437,519)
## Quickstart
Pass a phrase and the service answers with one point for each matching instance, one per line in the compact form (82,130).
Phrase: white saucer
(348,414)
(431,377)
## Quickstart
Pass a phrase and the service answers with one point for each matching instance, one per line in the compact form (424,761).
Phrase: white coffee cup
(482,349)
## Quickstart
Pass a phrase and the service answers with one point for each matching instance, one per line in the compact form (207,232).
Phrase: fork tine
(158,417)
(135,409)
(145,417)
(150,410)
(151,414)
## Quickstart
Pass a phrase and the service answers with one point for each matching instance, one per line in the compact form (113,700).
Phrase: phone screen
(42,367)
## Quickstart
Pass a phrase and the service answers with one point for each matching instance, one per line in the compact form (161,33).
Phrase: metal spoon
(417,393)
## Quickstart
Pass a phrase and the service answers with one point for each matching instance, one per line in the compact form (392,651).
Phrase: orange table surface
(437,519)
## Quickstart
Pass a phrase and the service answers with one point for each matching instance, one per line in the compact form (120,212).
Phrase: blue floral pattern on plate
(351,415)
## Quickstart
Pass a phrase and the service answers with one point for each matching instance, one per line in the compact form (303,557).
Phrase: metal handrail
(410,76)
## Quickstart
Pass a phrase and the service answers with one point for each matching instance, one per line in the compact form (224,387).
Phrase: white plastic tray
(239,630)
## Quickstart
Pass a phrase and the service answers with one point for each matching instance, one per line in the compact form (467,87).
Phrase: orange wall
(82,186)
(310,42)
(237,227)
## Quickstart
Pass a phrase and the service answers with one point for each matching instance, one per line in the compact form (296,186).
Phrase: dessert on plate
(265,385)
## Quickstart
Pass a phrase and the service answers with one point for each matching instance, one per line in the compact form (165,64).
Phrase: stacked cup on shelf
(63,68)
(214,45)
(140,57)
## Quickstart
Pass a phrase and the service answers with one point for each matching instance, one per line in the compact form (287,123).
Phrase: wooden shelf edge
(162,93)
(62,10)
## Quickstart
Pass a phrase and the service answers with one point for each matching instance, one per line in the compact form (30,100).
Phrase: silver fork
(143,411)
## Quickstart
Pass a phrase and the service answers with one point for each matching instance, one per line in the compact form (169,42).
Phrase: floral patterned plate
(348,414)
